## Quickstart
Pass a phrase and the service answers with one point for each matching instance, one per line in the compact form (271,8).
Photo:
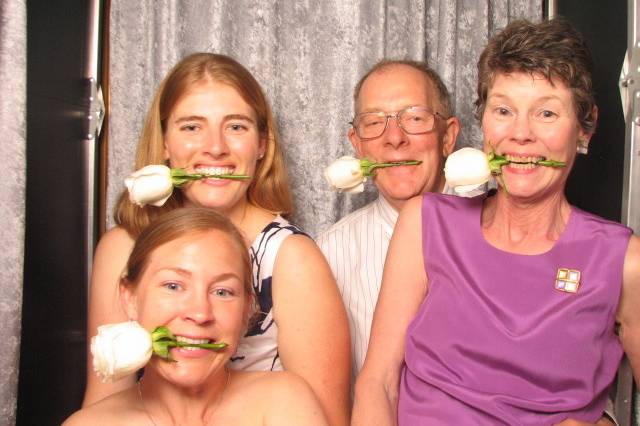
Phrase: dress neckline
(566,233)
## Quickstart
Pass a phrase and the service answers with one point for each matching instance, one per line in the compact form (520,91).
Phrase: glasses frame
(396,115)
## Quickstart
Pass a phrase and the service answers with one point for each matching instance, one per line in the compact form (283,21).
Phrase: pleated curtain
(13,58)
(307,55)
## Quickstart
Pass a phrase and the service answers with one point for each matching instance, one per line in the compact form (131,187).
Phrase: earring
(583,147)
(260,156)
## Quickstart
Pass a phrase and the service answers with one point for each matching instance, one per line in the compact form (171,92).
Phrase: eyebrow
(201,118)
(186,273)
(370,110)
(238,117)
(543,99)
(189,118)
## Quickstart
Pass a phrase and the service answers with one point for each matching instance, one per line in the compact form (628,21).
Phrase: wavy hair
(269,189)
(553,49)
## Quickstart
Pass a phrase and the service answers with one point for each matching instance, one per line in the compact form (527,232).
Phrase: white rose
(150,185)
(345,174)
(120,350)
(466,170)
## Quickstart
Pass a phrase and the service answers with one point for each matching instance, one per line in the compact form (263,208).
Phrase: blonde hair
(269,188)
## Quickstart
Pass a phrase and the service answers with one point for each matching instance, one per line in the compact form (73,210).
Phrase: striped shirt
(355,248)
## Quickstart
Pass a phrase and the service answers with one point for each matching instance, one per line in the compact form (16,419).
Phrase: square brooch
(567,280)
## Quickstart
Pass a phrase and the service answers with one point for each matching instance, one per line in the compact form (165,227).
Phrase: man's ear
(356,142)
(451,132)
(128,300)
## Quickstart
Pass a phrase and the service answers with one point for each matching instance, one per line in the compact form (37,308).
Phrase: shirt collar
(387,213)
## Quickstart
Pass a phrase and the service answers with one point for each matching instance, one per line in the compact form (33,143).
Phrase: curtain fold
(308,57)
(13,40)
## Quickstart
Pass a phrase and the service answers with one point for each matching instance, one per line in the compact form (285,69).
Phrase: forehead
(199,249)
(396,87)
(522,84)
(212,95)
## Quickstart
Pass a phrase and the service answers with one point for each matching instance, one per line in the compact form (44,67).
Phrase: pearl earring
(583,147)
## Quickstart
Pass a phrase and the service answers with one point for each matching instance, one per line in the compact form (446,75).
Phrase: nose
(521,131)
(216,144)
(393,135)
(198,309)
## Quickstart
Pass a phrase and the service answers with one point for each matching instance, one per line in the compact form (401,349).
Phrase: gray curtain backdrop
(13,62)
(308,55)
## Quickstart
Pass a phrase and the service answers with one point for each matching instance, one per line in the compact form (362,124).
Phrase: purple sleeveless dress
(496,341)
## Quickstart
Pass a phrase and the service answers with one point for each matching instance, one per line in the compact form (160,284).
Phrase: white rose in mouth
(466,170)
(150,185)
(120,350)
(345,174)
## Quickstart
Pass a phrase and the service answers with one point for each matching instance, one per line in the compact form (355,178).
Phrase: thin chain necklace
(213,410)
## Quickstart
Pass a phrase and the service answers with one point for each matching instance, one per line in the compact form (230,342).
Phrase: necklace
(211,412)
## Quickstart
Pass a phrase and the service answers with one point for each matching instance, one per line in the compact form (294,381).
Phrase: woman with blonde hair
(189,271)
(210,115)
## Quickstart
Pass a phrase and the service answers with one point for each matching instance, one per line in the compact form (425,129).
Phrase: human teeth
(194,341)
(522,165)
(215,170)
(517,159)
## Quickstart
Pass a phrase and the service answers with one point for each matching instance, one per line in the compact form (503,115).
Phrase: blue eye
(222,292)
(171,285)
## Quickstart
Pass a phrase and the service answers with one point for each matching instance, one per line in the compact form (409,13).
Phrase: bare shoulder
(412,207)
(115,239)
(298,259)
(298,242)
(114,410)
(272,387)
(112,252)
(631,280)
(288,399)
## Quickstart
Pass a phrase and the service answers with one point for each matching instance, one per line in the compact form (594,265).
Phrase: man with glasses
(403,112)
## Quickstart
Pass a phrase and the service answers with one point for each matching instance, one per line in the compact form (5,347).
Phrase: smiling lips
(194,341)
(523,162)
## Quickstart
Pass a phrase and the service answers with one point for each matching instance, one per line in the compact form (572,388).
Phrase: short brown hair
(441,90)
(269,188)
(553,49)
(179,223)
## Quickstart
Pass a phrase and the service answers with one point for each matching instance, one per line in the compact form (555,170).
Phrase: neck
(526,227)
(166,403)
(396,204)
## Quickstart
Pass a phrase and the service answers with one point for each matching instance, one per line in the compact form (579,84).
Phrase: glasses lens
(417,120)
(370,124)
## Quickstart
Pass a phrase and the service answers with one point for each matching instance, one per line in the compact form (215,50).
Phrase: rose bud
(120,350)
(466,170)
(150,185)
(345,174)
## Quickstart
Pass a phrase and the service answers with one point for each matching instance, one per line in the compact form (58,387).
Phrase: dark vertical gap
(52,352)
(595,183)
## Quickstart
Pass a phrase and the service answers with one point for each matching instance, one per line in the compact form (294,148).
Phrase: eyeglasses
(413,121)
